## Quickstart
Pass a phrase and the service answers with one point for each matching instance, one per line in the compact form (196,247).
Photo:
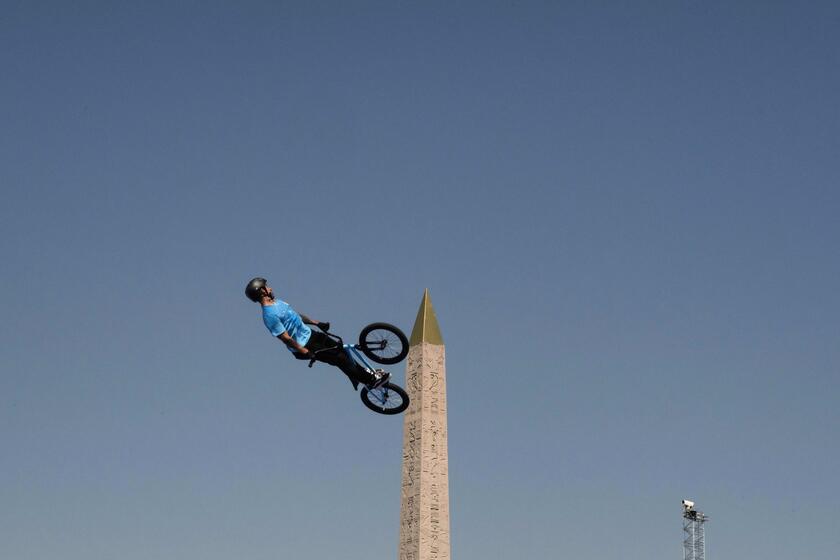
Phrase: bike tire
(381,403)
(375,332)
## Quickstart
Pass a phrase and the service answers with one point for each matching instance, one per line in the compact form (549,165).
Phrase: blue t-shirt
(280,317)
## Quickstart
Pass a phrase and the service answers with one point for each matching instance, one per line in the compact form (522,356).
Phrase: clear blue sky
(626,214)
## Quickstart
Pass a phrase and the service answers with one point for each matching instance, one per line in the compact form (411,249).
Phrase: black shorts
(320,341)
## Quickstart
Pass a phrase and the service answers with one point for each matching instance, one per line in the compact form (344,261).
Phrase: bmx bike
(384,344)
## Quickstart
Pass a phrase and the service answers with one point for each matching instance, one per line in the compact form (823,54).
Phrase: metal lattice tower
(694,543)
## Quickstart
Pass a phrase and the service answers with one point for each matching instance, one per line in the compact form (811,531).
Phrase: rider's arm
(306,320)
(292,343)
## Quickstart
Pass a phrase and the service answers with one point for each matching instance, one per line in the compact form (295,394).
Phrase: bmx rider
(292,329)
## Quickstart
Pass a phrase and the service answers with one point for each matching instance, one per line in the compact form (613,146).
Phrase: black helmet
(254,289)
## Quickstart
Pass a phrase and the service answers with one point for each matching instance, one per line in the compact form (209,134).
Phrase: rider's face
(269,293)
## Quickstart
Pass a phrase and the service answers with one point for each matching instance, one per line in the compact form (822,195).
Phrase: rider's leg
(335,355)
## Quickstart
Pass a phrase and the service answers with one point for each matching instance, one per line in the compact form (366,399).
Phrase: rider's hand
(324,326)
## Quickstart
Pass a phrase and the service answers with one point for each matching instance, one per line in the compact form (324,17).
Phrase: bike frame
(351,350)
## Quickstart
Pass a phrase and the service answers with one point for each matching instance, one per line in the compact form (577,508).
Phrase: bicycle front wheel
(387,399)
(383,343)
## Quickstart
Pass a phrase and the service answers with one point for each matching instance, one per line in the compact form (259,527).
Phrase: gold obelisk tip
(426,327)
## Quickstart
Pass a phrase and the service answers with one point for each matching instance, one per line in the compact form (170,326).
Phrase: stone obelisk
(424,514)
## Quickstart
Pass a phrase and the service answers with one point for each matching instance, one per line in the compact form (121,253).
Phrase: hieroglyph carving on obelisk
(424,514)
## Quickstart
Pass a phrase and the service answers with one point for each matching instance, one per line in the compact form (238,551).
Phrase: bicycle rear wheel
(383,343)
(387,399)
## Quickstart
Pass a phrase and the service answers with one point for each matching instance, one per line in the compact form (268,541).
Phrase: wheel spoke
(389,349)
(385,399)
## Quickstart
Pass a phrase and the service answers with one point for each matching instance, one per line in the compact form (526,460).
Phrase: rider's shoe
(380,378)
